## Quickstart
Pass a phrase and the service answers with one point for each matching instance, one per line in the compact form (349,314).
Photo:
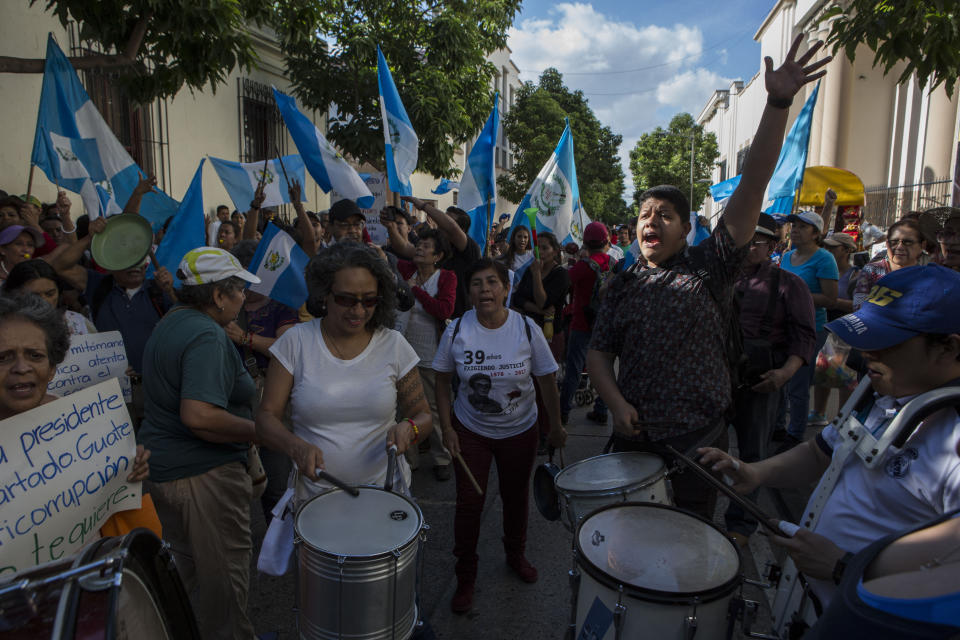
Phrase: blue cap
(902,304)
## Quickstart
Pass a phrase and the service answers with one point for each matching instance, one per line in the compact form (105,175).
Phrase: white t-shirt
(345,407)
(919,483)
(496,397)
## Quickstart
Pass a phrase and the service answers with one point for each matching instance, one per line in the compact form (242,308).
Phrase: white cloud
(635,78)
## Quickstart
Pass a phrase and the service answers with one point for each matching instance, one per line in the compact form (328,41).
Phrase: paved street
(504,607)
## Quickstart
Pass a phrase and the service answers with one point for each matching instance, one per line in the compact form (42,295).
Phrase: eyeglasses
(947,235)
(906,244)
(348,301)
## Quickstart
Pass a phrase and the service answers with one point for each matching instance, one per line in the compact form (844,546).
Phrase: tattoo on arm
(410,393)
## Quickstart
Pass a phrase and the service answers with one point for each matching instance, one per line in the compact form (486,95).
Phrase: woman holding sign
(199,426)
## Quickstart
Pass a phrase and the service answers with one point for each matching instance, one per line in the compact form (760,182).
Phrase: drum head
(657,548)
(373,523)
(611,471)
(124,243)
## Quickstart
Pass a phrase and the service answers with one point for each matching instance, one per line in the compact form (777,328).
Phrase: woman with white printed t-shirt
(495,353)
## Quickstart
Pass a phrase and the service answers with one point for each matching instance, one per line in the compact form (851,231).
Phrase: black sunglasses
(348,301)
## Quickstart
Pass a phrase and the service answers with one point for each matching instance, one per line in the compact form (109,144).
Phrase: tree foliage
(437,53)
(923,33)
(155,47)
(663,157)
(535,124)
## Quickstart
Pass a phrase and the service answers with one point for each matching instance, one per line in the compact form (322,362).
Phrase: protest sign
(92,358)
(377,183)
(63,470)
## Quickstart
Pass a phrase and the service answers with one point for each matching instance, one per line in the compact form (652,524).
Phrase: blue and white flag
(445,186)
(698,233)
(322,160)
(793,160)
(74,165)
(67,111)
(556,196)
(723,190)
(280,264)
(402,145)
(478,185)
(187,230)
(241,179)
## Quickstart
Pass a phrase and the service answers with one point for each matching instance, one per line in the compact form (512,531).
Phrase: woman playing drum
(495,353)
(346,375)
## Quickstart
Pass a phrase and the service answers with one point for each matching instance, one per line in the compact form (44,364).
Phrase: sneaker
(441,472)
(520,566)
(817,420)
(462,600)
(599,418)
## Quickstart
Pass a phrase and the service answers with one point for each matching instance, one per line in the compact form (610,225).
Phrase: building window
(741,158)
(141,129)
(261,126)
(723,170)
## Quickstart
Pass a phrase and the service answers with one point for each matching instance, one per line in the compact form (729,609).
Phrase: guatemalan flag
(402,145)
(187,230)
(280,263)
(322,160)
(478,185)
(445,186)
(66,118)
(792,161)
(556,196)
(241,179)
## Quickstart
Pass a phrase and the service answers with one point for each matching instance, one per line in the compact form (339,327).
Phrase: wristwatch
(840,567)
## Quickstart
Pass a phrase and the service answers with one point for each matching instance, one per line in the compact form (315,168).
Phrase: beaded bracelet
(416,430)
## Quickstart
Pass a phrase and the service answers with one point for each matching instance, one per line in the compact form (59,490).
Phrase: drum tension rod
(749,617)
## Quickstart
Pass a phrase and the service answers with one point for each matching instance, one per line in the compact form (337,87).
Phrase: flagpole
(30,180)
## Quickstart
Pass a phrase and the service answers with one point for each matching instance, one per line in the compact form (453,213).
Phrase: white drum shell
(628,486)
(368,597)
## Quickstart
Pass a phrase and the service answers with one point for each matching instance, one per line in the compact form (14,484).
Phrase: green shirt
(190,356)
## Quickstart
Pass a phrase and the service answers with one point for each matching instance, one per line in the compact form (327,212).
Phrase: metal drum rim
(299,539)
(655,595)
(660,474)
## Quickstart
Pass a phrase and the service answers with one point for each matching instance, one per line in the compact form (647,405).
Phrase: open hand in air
(786,81)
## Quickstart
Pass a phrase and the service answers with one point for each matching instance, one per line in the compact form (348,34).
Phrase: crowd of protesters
(236,396)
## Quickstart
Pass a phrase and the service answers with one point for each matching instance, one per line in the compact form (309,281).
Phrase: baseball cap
(208,264)
(343,209)
(904,303)
(595,233)
(767,225)
(841,239)
(9,234)
(807,216)
(31,199)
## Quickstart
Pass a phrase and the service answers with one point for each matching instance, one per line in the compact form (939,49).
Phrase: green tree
(437,54)
(663,157)
(155,47)
(535,124)
(923,33)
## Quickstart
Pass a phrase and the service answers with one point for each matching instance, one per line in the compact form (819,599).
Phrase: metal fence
(885,205)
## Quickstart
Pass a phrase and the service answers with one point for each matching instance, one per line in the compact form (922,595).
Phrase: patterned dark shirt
(670,337)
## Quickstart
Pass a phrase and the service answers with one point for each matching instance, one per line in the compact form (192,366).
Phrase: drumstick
(745,504)
(323,475)
(466,470)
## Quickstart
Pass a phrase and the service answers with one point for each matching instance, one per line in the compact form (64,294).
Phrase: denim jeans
(798,391)
(577,345)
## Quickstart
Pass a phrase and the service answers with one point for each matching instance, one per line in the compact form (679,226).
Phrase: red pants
(515,457)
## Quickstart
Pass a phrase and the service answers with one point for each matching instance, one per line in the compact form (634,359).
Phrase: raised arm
(308,239)
(144,186)
(782,85)
(253,215)
(400,245)
(444,222)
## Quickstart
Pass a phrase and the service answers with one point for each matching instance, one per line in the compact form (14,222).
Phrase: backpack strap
(456,330)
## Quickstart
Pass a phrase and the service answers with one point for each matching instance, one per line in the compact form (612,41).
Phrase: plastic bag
(832,371)
(277,548)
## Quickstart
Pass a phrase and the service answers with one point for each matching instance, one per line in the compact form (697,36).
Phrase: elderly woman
(905,248)
(347,376)
(37,276)
(199,426)
(496,354)
(17,243)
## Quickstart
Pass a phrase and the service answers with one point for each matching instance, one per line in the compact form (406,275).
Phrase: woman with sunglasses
(905,248)
(346,375)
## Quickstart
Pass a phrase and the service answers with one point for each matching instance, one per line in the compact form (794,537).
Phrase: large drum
(358,565)
(652,571)
(125,588)
(615,477)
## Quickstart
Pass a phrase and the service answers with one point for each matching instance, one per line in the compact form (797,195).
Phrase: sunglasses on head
(348,301)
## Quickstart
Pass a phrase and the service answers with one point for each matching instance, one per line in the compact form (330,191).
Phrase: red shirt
(582,277)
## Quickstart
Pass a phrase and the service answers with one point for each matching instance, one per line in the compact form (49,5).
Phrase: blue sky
(640,62)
